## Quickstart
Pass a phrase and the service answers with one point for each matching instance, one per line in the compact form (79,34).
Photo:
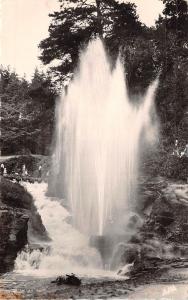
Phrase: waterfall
(99,135)
(68,251)
(99,132)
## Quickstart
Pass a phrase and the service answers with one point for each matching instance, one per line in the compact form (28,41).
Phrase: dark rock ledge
(18,221)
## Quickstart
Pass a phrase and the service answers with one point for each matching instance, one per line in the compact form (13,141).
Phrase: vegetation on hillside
(28,108)
(27,113)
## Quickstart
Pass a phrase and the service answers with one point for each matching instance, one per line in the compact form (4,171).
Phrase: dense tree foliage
(43,95)
(27,113)
(28,108)
(171,34)
(78,21)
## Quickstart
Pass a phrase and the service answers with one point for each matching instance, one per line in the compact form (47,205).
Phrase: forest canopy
(27,113)
(28,108)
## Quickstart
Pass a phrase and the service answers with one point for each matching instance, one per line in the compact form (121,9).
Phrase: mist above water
(99,133)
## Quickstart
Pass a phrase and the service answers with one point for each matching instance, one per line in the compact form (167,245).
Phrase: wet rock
(164,233)
(149,189)
(135,239)
(148,250)
(165,218)
(68,279)
(168,217)
(124,254)
(125,269)
(17,215)
(135,222)
(131,254)
(13,232)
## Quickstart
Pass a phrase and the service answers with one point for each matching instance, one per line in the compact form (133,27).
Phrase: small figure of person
(40,171)
(185,152)
(176,151)
(2,169)
(20,117)
(23,170)
(5,172)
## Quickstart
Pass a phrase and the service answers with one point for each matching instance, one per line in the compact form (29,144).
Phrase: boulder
(68,279)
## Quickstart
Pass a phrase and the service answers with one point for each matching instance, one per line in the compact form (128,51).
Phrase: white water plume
(98,138)
(98,144)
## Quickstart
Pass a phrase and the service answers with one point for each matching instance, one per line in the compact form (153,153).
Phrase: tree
(42,107)
(176,16)
(14,100)
(27,113)
(77,22)
(171,37)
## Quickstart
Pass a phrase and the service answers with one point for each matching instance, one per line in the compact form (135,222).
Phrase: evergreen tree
(77,22)
(171,36)
(27,113)
(14,100)
(176,17)
(42,107)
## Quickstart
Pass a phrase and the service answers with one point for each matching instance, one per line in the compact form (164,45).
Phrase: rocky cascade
(168,220)
(162,239)
(19,222)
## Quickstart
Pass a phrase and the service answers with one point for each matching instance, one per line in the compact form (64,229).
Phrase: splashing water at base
(98,143)
(67,252)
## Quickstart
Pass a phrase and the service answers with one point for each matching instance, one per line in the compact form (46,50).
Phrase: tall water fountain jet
(98,140)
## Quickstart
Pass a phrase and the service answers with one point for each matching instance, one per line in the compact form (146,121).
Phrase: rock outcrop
(168,220)
(163,238)
(17,215)
(13,231)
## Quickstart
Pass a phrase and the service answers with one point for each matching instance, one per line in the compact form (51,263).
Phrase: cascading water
(98,140)
(67,252)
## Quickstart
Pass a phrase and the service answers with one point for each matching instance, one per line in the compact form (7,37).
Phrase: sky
(24,23)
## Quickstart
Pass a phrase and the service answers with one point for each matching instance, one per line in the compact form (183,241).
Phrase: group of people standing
(24,172)
(177,150)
